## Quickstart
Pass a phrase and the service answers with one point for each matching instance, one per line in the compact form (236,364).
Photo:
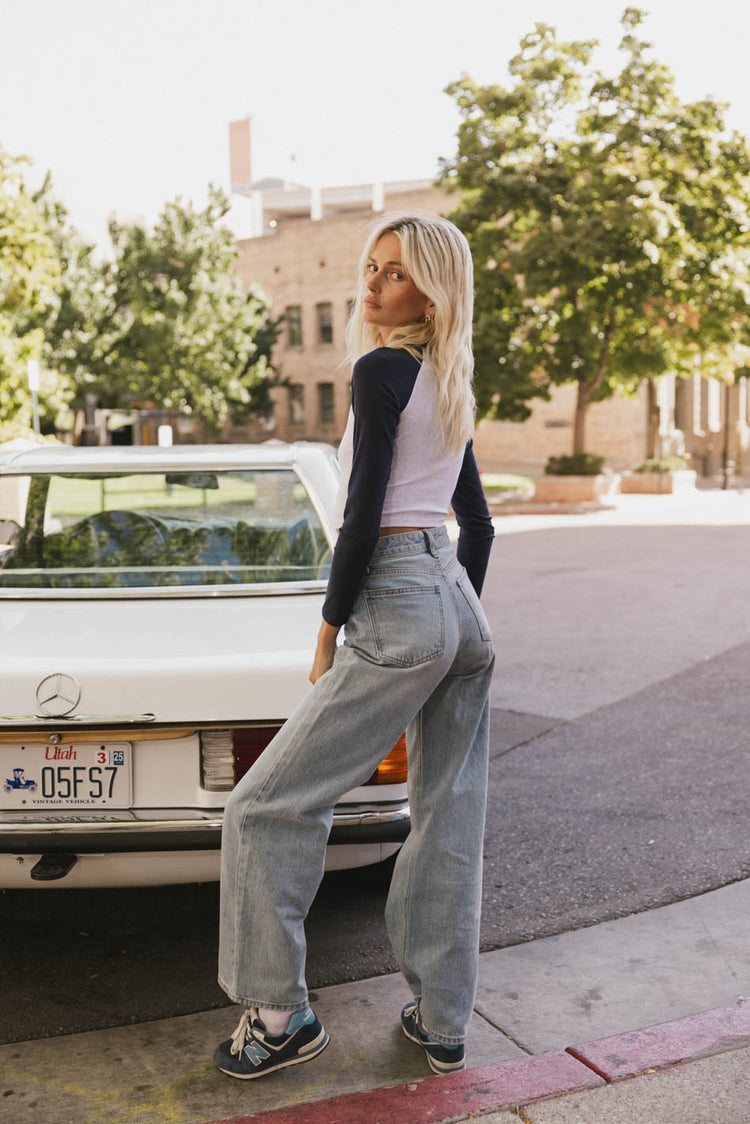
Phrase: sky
(128,102)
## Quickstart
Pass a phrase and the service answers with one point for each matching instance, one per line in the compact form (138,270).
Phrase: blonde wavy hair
(437,258)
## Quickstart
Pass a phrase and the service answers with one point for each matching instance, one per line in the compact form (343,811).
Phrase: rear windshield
(159,529)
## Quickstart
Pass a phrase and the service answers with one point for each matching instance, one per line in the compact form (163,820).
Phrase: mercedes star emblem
(58,695)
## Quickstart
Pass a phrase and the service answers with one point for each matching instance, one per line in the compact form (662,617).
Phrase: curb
(590,1065)
(698,1036)
(533,507)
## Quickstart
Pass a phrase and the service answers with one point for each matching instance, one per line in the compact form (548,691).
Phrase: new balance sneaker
(253,1052)
(441,1058)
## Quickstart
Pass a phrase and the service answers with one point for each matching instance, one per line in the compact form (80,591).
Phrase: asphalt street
(619,781)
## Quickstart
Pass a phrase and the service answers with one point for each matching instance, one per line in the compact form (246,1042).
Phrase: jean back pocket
(407,624)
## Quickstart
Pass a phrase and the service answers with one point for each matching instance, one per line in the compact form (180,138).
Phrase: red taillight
(228,753)
(247,745)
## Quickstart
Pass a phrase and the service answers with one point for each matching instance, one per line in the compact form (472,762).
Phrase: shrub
(576,464)
(662,464)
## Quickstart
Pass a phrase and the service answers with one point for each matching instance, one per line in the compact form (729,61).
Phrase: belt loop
(430,543)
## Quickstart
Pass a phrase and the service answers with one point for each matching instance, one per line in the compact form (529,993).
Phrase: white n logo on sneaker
(255,1052)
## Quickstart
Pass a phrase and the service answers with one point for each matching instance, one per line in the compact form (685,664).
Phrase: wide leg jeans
(417,656)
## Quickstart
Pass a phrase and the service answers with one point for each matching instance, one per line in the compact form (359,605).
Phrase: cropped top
(395,474)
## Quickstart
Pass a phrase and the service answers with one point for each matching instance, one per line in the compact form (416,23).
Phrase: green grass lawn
(497,483)
(72,497)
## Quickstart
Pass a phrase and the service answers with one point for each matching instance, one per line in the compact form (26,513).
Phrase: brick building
(301,248)
(306,264)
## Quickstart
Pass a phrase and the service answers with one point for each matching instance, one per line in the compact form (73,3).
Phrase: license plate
(69,775)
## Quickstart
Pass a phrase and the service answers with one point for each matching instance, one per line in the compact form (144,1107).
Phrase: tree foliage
(609,223)
(29,274)
(164,320)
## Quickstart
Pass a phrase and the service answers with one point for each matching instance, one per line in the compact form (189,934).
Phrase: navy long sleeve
(382,386)
(476,530)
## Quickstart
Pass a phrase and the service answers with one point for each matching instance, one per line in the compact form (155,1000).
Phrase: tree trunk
(583,401)
(586,389)
(88,432)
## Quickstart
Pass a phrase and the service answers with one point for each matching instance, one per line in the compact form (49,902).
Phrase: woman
(417,656)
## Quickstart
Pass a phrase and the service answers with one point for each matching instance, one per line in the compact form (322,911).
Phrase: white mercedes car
(158,612)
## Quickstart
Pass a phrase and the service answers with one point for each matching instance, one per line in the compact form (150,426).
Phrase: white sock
(275,1022)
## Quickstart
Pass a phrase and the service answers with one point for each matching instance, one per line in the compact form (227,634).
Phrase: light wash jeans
(418,657)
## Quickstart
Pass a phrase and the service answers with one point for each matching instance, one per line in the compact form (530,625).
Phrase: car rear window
(159,529)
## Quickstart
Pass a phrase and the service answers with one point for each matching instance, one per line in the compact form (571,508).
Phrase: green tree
(609,223)
(29,274)
(165,319)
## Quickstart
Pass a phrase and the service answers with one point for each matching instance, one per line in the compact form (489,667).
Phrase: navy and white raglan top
(396,474)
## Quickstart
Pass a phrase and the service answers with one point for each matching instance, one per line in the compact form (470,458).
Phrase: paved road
(620,777)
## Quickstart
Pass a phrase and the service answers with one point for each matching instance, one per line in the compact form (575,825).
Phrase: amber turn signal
(393,769)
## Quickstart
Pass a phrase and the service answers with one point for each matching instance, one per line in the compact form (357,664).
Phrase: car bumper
(184,830)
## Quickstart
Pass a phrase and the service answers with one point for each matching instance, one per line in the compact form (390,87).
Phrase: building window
(325,403)
(714,405)
(697,405)
(683,401)
(293,316)
(666,397)
(296,404)
(325,322)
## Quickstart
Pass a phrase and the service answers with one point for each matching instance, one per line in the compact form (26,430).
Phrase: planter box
(576,489)
(658,483)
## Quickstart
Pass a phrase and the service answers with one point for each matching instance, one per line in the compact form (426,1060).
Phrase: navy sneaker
(253,1052)
(440,1057)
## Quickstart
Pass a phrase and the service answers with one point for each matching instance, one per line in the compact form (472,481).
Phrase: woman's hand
(325,650)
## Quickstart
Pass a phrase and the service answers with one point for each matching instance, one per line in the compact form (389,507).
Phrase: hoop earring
(427,318)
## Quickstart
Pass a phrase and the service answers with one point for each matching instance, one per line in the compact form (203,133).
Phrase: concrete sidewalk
(580,1014)
(557,1089)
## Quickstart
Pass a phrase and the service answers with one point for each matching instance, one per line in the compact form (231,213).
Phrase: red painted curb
(587,1066)
(624,1055)
(436,1098)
